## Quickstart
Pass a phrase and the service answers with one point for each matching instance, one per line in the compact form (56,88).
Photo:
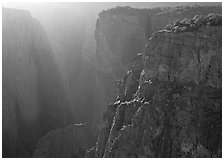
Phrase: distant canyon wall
(71,35)
(58,63)
(34,99)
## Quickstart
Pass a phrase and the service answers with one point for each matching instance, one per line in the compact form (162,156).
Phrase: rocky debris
(174,107)
(68,142)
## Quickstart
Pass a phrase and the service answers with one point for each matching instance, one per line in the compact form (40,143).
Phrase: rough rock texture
(68,142)
(33,96)
(194,55)
(160,20)
(170,106)
(122,32)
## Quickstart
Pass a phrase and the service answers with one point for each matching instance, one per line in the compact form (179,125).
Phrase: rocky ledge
(169,103)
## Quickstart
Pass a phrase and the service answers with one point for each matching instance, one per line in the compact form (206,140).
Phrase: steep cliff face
(121,33)
(170,101)
(33,96)
(194,55)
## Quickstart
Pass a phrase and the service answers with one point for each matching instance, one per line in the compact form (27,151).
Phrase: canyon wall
(59,67)
(90,73)
(170,101)
(67,142)
(34,99)
(58,76)
(71,34)
(121,34)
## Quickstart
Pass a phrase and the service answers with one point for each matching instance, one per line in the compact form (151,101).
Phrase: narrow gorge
(88,80)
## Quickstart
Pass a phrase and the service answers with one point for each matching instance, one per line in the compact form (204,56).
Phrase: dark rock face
(68,142)
(34,100)
(172,108)
(194,55)
(122,32)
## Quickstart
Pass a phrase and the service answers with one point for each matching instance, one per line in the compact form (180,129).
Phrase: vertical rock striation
(33,96)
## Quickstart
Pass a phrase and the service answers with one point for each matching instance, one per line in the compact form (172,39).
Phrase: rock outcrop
(169,15)
(34,99)
(169,104)
(68,142)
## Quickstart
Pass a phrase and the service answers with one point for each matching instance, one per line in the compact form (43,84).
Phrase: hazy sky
(104,5)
